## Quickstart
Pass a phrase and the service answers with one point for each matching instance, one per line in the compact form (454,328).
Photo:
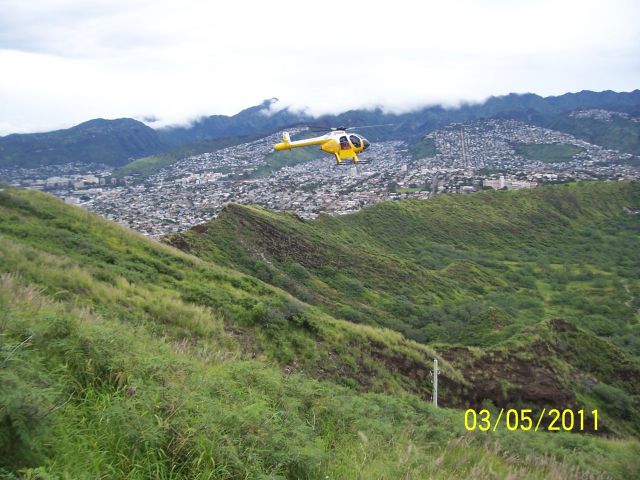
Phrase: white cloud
(65,61)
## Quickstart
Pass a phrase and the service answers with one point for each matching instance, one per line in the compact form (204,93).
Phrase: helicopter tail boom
(287,144)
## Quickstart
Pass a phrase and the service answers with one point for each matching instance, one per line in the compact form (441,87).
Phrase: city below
(461,158)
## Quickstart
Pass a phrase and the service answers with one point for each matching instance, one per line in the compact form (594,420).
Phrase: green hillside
(423,149)
(110,142)
(144,167)
(488,270)
(122,357)
(548,152)
(277,160)
(621,134)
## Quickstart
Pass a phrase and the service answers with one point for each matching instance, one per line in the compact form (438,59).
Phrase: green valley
(510,273)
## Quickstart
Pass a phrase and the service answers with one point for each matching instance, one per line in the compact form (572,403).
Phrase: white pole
(435,382)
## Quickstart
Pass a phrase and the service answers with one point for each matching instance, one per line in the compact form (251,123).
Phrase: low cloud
(65,61)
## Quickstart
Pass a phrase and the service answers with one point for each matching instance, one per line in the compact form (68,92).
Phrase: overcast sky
(66,61)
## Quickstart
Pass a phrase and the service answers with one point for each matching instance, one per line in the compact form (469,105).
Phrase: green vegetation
(407,190)
(423,149)
(620,133)
(488,270)
(548,152)
(276,160)
(145,167)
(111,142)
(121,357)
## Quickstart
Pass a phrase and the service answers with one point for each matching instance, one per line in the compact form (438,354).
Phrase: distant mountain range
(118,142)
(253,120)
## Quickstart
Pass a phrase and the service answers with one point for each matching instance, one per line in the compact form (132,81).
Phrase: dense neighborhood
(461,158)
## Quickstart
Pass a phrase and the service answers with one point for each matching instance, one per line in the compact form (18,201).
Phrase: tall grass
(95,398)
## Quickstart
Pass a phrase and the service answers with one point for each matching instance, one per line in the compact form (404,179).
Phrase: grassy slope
(143,168)
(77,256)
(548,152)
(424,148)
(479,271)
(619,134)
(122,357)
(93,397)
(541,246)
(276,160)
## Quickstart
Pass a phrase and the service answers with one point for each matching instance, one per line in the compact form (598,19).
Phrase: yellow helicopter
(342,145)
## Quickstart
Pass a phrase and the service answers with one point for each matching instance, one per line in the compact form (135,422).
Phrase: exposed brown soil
(200,228)
(506,379)
(179,242)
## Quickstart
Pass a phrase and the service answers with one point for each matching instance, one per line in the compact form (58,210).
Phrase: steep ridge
(496,273)
(106,267)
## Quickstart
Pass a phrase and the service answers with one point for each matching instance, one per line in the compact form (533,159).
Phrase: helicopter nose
(365,144)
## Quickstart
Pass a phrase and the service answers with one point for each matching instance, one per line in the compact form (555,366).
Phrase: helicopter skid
(350,162)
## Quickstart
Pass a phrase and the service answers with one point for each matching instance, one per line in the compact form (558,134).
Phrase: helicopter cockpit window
(355,140)
(344,143)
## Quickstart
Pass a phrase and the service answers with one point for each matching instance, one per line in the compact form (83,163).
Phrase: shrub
(615,401)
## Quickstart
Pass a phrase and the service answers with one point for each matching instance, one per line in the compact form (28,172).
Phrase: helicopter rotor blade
(322,128)
(371,126)
(319,128)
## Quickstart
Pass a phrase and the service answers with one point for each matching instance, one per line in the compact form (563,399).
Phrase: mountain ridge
(112,142)
(138,140)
